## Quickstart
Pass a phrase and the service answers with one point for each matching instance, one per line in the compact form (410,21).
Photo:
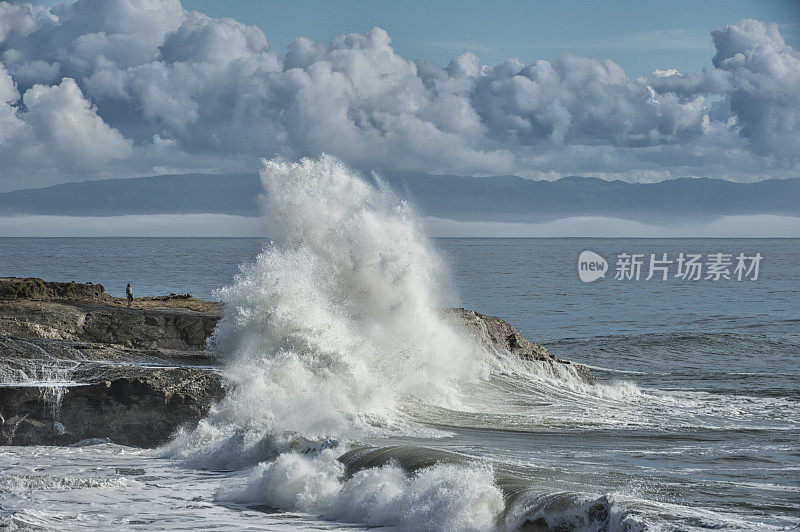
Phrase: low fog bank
(225,225)
(142,225)
(751,226)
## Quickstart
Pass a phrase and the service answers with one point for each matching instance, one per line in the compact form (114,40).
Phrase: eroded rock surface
(499,334)
(84,312)
(140,406)
(77,364)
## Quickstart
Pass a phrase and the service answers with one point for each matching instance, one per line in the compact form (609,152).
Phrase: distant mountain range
(183,194)
(500,198)
(511,198)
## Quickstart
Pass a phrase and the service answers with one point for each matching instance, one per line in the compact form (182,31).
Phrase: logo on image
(591,266)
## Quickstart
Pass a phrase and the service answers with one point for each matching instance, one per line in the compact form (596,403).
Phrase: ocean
(694,423)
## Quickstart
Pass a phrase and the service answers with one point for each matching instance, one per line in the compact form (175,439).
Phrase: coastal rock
(77,364)
(84,312)
(168,329)
(498,334)
(140,406)
(34,288)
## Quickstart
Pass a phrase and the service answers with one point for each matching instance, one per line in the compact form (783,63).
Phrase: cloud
(66,123)
(58,128)
(582,101)
(764,94)
(147,85)
(758,75)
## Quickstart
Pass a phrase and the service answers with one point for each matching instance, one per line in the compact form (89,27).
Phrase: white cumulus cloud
(108,88)
(54,127)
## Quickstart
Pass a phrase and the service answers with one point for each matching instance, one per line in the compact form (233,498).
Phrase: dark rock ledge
(78,364)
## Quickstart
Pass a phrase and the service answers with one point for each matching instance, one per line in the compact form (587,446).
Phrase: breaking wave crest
(338,318)
(327,339)
(443,496)
(420,489)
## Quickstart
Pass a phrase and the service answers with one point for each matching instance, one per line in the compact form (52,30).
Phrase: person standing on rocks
(129,294)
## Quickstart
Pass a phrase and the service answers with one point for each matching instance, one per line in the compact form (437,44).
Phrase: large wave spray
(337,320)
(336,334)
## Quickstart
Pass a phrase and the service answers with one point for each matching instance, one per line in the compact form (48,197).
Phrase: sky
(641,91)
(639,36)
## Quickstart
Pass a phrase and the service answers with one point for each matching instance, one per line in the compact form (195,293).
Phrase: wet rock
(77,364)
(141,406)
(498,334)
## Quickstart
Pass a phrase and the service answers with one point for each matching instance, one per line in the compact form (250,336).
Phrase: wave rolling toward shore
(334,343)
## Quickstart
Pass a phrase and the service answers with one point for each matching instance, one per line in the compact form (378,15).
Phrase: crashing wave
(327,338)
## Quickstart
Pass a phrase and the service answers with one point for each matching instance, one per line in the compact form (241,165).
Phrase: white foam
(335,334)
(442,497)
(25,483)
(336,321)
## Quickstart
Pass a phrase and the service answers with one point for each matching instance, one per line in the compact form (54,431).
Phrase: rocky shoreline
(77,364)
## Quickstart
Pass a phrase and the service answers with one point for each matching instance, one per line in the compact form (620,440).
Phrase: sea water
(333,339)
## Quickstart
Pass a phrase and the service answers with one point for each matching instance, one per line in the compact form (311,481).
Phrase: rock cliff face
(74,320)
(501,335)
(76,363)
(139,406)
(56,392)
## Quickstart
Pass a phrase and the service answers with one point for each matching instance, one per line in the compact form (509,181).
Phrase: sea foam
(336,321)
(326,339)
